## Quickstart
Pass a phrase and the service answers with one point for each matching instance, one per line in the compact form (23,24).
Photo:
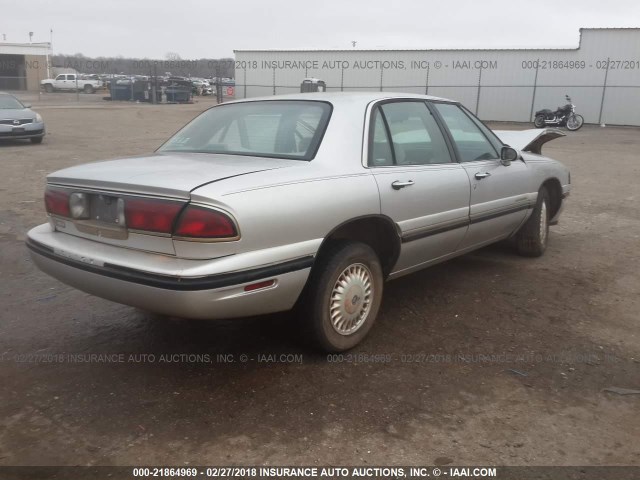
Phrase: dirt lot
(488,359)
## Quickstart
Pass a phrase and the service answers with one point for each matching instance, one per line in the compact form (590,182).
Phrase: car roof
(344,97)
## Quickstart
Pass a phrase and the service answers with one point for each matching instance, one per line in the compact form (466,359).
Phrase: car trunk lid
(108,188)
(172,175)
(529,140)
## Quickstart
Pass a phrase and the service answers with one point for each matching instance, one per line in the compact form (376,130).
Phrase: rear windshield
(280,129)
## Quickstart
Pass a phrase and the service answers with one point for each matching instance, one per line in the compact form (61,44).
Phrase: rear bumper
(214,296)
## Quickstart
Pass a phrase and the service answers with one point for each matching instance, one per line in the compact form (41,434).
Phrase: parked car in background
(227,82)
(18,121)
(313,85)
(71,82)
(307,201)
(201,87)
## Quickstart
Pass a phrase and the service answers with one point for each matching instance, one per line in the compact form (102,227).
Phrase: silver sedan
(18,121)
(306,201)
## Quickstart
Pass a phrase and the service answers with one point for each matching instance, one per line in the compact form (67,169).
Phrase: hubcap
(351,298)
(543,222)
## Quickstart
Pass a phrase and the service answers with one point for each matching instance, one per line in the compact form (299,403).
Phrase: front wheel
(343,296)
(36,139)
(539,121)
(533,236)
(575,122)
(48,88)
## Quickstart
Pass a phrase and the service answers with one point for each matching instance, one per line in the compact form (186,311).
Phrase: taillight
(199,222)
(56,201)
(151,215)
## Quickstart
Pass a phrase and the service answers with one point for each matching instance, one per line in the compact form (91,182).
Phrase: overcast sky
(211,29)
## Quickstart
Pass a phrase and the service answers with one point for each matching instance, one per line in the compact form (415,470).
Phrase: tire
(48,88)
(353,316)
(88,89)
(575,122)
(538,122)
(533,236)
(36,139)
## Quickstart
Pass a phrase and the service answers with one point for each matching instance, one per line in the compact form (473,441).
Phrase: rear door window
(380,154)
(416,138)
(471,143)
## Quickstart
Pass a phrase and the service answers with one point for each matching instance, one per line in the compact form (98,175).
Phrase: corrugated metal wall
(602,76)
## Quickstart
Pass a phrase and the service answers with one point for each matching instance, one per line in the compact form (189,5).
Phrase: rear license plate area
(107,209)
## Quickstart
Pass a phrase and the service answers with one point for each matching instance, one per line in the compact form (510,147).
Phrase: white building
(602,75)
(23,65)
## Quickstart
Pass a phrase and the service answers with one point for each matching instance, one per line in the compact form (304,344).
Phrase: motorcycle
(563,117)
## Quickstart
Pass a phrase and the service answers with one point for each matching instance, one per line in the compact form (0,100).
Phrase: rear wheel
(575,122)
(343,296)
(539,121)
(88,89)
(533,236)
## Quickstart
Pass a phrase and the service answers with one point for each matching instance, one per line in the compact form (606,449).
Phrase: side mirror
(27,105)
(508,154)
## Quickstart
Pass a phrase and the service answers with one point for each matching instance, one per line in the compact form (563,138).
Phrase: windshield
(9,102)
(282,129)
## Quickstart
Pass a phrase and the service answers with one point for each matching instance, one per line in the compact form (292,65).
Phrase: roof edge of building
(303,50)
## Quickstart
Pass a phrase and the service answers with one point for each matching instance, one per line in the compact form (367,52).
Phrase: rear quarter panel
(289,206)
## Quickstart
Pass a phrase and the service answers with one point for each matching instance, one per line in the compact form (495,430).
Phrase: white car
(71,82)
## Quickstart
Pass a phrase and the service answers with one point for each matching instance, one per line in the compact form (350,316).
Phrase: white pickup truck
(70,81)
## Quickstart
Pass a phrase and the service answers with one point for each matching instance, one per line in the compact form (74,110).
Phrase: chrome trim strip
(453,225)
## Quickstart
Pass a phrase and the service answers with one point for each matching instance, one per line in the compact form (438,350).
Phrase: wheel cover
(351,299)
(543,223)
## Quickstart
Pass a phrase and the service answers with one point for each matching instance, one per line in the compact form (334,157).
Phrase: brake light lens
(151,215)
(199,222)
(56,201)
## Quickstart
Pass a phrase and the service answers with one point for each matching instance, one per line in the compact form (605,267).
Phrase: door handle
(397,185)
(481,175)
